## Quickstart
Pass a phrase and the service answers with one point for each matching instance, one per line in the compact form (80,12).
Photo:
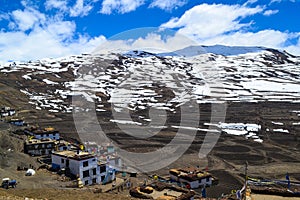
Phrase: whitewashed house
(7,111)
(84,165)
(106,153)
(4,114)
(191,178)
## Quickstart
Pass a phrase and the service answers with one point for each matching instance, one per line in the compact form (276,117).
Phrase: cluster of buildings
(43,141)
(93,165)
(90,162)
(7,112)
(76,161)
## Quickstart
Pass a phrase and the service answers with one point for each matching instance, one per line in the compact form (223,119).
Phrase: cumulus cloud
(221,24)
(266,38)
(42,44)
(205,21)
(120,6)
(157,43)
(35,35)
(26,19)
(167,4)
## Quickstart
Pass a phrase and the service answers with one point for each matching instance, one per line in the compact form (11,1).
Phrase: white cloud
(249,2)
(26,19)
(4,16)
(279,1)
(206,20)
(80,9)
(294,48)
(266,38)
(120,6)
(221,24)
(36,35)
(167,4)
(153,42)
(43,44)
(56,4)
(270,12)
(275,1)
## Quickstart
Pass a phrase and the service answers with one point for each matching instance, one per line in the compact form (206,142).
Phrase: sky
(36,29)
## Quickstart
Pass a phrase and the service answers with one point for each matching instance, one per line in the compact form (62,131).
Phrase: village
(89,165)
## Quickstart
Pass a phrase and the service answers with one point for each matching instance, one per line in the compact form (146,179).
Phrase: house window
(102,178)
(102,168)
(94,180)
(85,163)
(207,179)
(62,160)
(85,173)
(94,171)
(86,182)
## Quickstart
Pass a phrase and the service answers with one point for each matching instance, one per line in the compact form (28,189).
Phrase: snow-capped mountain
(139,80)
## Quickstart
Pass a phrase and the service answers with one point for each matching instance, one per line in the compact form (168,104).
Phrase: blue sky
(35,29)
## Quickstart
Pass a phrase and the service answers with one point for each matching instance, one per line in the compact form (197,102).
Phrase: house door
(67,163)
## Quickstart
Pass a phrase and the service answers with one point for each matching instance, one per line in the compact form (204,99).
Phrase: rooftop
(35,130)
(81,155)
(190,174)
(36,141)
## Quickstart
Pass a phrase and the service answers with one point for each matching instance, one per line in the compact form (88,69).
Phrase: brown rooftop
(190,174)
(37,130)
(36,141)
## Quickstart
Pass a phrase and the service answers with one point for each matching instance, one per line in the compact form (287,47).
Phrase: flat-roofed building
(45,133)
(82,164)
(37,147)
(193,178)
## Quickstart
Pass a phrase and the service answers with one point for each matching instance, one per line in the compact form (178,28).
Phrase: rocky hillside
(260,86)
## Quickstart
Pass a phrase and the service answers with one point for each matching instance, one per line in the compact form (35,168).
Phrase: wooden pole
(246,178)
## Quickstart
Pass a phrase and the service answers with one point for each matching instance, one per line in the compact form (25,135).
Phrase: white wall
(76,168)
(193,184)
